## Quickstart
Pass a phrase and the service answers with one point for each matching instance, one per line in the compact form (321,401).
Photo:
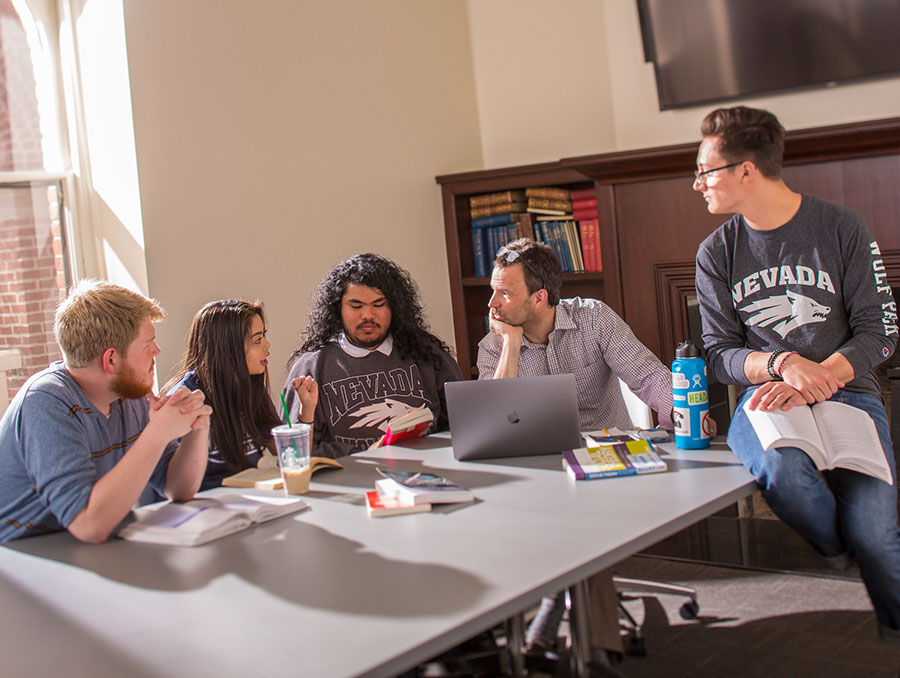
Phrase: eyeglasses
(511,256)
(701,178)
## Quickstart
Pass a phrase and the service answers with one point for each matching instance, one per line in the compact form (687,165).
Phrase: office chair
(641,417)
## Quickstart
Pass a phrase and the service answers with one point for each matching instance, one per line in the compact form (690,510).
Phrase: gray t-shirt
(54,445)
(359,395)
(815,285)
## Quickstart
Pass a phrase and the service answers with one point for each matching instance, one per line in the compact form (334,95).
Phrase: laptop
(518,417)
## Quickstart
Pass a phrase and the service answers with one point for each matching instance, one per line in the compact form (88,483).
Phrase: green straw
(287,414)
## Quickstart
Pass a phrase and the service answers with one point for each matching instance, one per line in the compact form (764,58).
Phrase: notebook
(513,417)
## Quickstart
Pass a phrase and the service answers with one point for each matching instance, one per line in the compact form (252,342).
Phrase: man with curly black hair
(370,351)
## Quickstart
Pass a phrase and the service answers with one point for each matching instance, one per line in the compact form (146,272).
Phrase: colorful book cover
(615,458)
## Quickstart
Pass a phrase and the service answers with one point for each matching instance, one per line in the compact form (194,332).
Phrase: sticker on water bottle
(705,426)
(681,418)
(679,380)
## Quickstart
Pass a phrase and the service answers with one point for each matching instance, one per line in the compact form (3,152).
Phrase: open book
(832,434)
(203,519)
(413,424)
(270,478)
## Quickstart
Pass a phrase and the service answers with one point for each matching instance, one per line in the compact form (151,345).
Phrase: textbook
(832,434)
(414,424)
(420,488)
(380,506)
(270,478)
(204,519)
(623,456)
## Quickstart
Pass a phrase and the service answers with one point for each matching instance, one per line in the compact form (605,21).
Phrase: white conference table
(330,592)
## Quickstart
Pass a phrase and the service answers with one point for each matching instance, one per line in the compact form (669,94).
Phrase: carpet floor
(756,623)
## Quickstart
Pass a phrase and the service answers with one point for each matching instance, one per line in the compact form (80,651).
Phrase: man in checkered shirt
(534,332)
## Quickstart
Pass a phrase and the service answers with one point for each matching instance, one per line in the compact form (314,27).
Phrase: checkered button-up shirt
(592,342)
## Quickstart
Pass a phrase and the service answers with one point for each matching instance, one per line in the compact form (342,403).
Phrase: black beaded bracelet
(770,366)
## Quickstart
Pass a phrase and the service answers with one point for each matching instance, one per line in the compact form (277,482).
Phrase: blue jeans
(844,512)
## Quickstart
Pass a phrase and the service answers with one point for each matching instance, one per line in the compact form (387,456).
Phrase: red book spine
(587,245)
(584,214)
(584,193)
(584,203)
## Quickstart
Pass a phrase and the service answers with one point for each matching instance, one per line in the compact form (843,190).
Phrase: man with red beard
(84,437)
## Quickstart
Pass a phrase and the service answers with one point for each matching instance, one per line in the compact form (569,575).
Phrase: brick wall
(31,263)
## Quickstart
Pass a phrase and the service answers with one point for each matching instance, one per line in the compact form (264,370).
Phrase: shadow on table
(327,571)
(360,471)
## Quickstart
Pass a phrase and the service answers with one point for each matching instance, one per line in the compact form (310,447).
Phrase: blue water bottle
(690,398)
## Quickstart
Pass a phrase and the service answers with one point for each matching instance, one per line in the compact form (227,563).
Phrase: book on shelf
(496,198)
(613,456)
(548,192)
(495,220)
(563,206)
(479,252)
(832,434)
(590,244)
(420,488)
(548,212)
(583,194)
(500,208)
(574,242)
(414,424)
(380,506)
(587,245)
(584,203)
(584,214)
(526,225)
(204,519)
(270,478)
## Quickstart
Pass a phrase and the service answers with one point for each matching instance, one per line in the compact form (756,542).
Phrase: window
(34,262)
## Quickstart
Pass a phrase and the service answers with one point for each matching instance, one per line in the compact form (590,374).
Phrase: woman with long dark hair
(227,359)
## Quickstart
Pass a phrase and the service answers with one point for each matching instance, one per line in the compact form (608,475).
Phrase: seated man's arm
(113,495)
(498,352)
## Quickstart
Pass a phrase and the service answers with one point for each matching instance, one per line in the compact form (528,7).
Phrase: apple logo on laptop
(513,417)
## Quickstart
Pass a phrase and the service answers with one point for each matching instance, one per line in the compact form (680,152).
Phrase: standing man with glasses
(796,310)
(534,332)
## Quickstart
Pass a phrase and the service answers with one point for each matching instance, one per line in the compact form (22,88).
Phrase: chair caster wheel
(690,610)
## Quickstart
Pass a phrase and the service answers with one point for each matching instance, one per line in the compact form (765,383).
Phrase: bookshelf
(470,293)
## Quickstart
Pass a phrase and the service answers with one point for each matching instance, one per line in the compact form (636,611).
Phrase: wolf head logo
(377,415)
(786,312)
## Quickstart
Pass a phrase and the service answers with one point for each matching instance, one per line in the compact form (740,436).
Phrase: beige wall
(542,79)
(277,138)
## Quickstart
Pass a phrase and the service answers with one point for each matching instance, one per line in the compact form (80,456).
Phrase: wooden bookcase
(470,294)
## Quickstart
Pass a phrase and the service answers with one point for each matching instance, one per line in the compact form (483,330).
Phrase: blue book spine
(495,220)
(479,256)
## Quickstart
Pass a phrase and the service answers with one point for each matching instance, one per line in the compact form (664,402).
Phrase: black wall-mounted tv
(714,50)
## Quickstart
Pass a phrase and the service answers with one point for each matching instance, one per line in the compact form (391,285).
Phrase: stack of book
(563,219)
(494,223)
(584,213)
(549,201)
(400,492)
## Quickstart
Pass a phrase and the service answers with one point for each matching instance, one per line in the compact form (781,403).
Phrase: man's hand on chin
(505,330)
